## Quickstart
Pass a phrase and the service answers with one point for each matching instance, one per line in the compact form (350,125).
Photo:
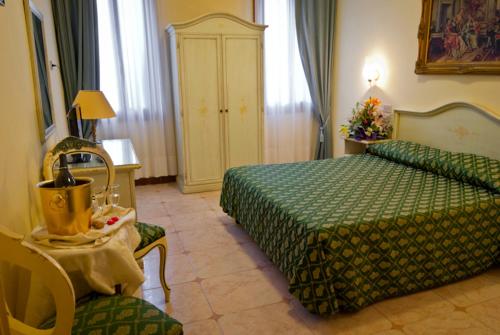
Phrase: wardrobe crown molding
(210,16)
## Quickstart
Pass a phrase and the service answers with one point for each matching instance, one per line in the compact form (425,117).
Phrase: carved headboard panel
(458,126)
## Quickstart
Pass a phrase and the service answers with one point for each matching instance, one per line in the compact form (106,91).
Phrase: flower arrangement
(367,122)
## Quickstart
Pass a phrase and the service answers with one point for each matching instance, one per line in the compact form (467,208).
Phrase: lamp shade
(93,105)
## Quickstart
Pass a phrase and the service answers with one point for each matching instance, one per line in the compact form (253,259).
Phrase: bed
(407,216)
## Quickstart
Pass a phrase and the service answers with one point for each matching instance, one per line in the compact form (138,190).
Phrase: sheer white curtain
(131,78)
(289,121)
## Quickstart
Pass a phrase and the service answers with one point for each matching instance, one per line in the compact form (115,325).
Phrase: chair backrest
(13,250)
(75,145)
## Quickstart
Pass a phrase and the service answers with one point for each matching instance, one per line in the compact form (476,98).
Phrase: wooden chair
(152,236)
(99,315)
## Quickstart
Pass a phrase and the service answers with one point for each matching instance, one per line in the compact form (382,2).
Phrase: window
(123,53)
(284,74)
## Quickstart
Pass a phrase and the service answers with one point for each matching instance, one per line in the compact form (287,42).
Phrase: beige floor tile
(175,195)
(224,218)
(174,244)
(458,323)
(254,251)
(212,199)
(389,332)
(196,220)
(277,279)
(494,274)
(211,194)
(225,260)
(148,200)
(187,302)
(268,320)
(163,221)
(364,322)
(145,191)
(471,291)
(203,327)
(186,206)
(414,307)
(155,296)
(238,233)
(240,291)
(487,312)
(150,211)
(219,211)
(212,203)
(202,239)
(179,270)
(151,271)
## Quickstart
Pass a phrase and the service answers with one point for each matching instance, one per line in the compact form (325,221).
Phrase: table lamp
(93,105)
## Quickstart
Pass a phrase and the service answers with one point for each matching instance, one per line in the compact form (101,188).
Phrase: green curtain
(315,23)
(78,44)
(42,71)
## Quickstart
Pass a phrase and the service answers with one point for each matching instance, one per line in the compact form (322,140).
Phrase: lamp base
(93,131)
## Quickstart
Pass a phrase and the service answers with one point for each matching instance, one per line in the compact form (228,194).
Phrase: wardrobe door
(202,117)
(242,99)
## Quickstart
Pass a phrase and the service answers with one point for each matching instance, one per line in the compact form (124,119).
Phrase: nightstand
(353,146)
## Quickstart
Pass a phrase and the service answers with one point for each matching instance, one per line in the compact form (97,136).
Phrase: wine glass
(98,198)
(114,195)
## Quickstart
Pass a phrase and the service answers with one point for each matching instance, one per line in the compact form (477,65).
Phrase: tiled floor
(222,283)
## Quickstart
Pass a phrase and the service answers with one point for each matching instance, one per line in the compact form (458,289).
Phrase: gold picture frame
(459,37)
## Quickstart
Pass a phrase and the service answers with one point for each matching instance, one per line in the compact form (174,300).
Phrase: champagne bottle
(64,178)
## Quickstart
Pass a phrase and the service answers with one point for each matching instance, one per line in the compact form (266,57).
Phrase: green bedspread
(351,231)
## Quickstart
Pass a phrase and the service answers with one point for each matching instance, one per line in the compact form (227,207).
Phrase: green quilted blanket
(351,231)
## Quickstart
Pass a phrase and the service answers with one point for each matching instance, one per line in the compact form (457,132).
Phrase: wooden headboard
(458,127)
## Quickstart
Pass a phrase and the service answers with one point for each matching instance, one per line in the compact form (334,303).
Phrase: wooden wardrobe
(217,79)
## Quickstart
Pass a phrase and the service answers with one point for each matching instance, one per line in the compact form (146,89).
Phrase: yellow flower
(344,130)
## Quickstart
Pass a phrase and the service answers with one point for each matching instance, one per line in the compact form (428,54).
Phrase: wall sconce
(372,71)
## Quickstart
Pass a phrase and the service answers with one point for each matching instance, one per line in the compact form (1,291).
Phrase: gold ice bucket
(67,210)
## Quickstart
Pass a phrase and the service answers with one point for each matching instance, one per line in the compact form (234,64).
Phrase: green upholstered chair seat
(120,315)
(149,233)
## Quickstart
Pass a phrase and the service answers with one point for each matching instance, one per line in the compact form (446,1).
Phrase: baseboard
(155,180)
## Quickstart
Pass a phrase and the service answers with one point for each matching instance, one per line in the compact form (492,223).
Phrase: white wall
(387,29)
(20,148)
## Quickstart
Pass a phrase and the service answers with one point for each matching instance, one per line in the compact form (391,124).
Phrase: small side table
(102,267)
(353,146)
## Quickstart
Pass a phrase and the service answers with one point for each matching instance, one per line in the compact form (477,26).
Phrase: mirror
(36,39)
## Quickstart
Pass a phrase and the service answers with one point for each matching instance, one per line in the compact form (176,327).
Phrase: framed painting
(459,37)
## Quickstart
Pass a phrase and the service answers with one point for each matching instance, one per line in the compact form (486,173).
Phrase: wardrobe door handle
(220,110)
(227,110)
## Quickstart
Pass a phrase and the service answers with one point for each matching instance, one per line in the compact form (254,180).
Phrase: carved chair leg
(163,259)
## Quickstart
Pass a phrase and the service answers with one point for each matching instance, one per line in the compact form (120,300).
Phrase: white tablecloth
(98,268)
(104,266)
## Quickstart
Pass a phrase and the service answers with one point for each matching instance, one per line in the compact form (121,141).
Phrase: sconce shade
(371,72)
(93,105)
